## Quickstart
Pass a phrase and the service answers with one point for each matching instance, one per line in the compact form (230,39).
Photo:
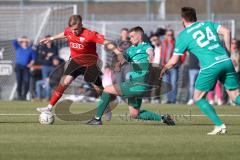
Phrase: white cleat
(190,102)
(219,130)
(44,109)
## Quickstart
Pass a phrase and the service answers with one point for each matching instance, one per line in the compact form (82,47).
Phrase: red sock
(57,94)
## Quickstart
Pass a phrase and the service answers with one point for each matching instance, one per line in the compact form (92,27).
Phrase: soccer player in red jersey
(83,57)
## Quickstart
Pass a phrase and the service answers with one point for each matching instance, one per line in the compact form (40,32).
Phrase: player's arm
(56,37)
(170,64)
(112,47)
(99,38)
(226,33)
(181,46)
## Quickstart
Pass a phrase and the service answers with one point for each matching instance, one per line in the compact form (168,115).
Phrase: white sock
(50,106)
(97,118)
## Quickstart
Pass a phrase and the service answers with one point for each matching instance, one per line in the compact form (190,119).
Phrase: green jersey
(201,39)
(138,57)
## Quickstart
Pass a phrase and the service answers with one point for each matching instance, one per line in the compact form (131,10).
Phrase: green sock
(147,115)
(102,104)
(237,100)
(209,111)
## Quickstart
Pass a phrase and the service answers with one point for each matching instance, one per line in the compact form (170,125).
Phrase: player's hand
(45,40)
(121,59)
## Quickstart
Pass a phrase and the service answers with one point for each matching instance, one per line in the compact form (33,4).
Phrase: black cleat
(94,121)
(168,120)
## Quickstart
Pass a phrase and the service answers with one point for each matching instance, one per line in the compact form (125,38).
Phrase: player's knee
(233,97)
(66,82)
(198,95)
(197,98)
(134,114)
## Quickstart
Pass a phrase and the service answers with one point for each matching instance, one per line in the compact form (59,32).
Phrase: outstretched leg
(58,92)
(209,111)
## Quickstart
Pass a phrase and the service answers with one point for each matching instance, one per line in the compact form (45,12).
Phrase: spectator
(123,44)
(50,82)
(25,57)
(42,86)
(182,81)
(46,53)
(235,55)
(155,42)
(57,72)
(172,76)
(192,73)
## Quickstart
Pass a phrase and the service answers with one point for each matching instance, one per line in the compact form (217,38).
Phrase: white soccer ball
(46,118)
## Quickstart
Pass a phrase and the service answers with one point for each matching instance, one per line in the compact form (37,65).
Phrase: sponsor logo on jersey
(76,45)
(82,39)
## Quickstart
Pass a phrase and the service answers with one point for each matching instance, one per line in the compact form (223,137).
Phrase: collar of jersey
(138,44)
(191,24)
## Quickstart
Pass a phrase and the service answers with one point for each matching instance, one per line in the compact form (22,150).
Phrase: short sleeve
(148,47)
(97,38)
(181,45)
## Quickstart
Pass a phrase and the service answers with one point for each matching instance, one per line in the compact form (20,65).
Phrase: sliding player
(202,39)
(83,58)
(139,55)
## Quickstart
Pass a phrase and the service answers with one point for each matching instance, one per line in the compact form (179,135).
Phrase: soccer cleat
(44,109)
(168,120)
(190,102)
(94,121)
(219,130)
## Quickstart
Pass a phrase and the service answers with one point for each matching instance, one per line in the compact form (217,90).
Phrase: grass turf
(23,138)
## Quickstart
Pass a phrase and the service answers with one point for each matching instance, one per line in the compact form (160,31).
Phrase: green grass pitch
(23,138)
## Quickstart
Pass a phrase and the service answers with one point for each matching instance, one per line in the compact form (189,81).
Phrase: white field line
(118,115)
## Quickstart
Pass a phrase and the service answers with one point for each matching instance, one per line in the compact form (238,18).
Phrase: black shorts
(92,74)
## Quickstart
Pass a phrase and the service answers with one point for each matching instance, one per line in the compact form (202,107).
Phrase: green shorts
(133,91)
(135,102)
(223,71)
(133,88)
